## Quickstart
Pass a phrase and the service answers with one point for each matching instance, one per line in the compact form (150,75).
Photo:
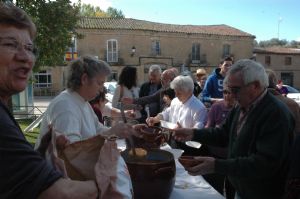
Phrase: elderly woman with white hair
(185,110)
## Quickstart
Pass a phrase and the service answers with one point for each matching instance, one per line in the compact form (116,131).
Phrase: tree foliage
(114,13)
(90,11)
(55,22)
(278,42)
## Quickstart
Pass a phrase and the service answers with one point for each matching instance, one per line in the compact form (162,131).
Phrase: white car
(293,93)
(111,87)
(294,96)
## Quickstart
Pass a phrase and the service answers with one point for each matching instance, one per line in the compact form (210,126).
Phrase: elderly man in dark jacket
(149,88)
(257,133)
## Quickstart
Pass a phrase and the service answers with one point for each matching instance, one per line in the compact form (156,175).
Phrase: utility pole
(278,30)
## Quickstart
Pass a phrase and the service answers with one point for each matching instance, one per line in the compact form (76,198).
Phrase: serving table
(186,186)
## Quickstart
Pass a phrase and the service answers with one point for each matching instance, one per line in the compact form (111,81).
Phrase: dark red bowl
(188,161)
(151,133)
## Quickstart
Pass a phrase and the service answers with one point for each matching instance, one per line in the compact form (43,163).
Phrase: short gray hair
(12,15)
(86,65)
(155,69)
(250,71)
(183,83)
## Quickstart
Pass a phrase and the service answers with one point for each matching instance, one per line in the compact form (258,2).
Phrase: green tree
(294,44)
(114,13)
(273,42)
(56,23)
(89,10)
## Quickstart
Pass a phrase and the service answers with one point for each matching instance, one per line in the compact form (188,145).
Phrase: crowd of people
(248,128)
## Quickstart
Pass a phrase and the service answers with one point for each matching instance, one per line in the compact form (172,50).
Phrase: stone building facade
(139,43)
(284,61)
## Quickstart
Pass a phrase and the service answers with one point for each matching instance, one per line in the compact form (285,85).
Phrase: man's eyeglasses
(237,89)
(14,45)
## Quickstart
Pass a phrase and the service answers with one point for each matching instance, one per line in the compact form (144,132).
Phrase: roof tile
(134,24)
(277,50)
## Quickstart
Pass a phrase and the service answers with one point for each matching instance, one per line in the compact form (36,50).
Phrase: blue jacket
(213,86)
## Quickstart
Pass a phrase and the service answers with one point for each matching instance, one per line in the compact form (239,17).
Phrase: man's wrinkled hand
(182,134)
(206,165)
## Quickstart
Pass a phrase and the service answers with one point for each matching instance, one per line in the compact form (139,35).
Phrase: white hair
(183,83)
(250,71)
(155,69)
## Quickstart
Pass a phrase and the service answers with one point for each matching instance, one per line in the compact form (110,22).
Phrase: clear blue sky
(257,17)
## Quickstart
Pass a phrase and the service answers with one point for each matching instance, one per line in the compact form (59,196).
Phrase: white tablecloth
(192,187)
(187,186)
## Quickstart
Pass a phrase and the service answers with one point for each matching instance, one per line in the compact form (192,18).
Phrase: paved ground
(41,103)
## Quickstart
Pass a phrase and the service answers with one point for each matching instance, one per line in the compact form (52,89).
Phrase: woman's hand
(121,130)
(151,121)
(61,141)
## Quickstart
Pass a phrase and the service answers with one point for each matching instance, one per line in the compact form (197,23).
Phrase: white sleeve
(200,117)
(165,114)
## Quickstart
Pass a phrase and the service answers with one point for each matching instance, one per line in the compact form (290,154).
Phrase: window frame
(226,50)
(156,47)
(288,61)
(268,60)
(196,53)
(48,77)
(112,50)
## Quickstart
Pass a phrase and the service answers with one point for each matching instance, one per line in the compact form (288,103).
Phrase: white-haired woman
(185,110)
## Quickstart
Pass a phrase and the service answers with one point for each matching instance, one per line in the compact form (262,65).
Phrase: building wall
(59,80)
(278,65)
(176,48)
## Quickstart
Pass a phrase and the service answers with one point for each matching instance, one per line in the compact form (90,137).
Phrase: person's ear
(84,79)
(256,84)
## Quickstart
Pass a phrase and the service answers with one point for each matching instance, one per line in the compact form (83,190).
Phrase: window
(288,60)
(155,48)
(43,79)
(226,50)
(267,60)
(112,50)
(196,53)
(287,78)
